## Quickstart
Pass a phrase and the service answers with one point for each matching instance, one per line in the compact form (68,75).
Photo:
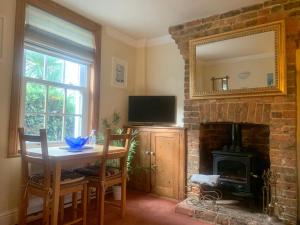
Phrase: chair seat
(67,177)
(93,171)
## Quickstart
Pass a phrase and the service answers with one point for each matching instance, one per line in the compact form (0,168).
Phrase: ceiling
(150,18)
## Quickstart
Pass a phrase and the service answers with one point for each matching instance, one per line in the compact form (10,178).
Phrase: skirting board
(9,217)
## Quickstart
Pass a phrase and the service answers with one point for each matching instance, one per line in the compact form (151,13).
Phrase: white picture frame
(1,35)
(119,73)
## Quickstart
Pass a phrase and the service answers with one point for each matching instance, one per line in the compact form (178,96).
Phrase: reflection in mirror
(219,83)
(237,63)
(240,63)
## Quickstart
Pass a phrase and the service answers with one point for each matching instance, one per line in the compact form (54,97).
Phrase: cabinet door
(140,179)
(165,164)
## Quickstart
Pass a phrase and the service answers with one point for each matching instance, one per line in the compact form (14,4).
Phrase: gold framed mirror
(241,63)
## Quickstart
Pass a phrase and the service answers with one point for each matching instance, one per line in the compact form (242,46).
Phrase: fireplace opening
(239,153)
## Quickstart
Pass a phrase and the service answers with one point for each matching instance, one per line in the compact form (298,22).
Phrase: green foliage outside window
(34,66)
(39,110)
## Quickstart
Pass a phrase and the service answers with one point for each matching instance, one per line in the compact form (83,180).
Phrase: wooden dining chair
(103,177)
(41,184)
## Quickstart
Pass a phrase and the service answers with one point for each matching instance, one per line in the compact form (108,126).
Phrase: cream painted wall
(140,73)
(164,74)
(9,168)
(113,98)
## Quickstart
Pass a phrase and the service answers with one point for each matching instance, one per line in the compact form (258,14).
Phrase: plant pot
(117,192)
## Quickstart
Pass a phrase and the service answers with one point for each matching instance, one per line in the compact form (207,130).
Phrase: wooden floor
(142,209)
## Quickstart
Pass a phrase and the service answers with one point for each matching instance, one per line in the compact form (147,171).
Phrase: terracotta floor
(143,209)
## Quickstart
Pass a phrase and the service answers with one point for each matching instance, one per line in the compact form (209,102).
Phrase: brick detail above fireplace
(253,111)
(278,112)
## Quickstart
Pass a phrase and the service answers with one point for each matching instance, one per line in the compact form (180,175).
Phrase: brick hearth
(278,112)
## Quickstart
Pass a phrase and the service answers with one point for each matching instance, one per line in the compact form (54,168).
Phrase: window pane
(73,126)
(58,108)
(54,69)
(33,124)
(74,102)
(83,75)
(54,128)
(55,100)
(35,98)
(34,64)
(75,74)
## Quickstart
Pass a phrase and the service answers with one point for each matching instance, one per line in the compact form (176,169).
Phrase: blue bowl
(76,143)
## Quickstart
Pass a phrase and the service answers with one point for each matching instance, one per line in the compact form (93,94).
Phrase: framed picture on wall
(119,72)
(1,35)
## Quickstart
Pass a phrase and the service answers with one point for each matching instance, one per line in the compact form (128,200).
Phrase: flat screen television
(152,109)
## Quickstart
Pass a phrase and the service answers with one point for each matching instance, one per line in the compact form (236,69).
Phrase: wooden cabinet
(159,163)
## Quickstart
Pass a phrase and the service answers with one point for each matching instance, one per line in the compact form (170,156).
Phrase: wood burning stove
(235,165)
(235,170)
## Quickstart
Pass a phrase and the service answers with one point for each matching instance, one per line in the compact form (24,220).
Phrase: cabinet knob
(147,152)
(152,153)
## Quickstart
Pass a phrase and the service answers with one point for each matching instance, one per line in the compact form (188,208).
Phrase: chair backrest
(28,159)
(121,155)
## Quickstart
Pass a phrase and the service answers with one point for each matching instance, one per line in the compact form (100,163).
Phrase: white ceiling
(150,18)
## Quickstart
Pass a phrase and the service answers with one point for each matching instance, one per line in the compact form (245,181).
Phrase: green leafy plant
(113,124)
(131,152)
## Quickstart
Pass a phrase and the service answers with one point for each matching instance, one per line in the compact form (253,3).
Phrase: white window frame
(83,89)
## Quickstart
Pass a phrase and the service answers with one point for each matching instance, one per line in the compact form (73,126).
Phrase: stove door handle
(254,175)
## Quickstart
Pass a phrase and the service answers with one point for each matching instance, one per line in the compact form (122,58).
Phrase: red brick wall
(214,136)
(278,112)
(256,138)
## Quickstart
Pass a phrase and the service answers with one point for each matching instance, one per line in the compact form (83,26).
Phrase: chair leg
(123,198)
(89,190)
(46,209)
(23,209)
(84,199)
(74,205)
(62,208)
(97,199)
(101,204)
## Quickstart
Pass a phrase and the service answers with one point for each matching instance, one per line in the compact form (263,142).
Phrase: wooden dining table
(60,158)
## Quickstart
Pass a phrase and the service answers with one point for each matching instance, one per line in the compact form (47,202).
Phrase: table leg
(56,191)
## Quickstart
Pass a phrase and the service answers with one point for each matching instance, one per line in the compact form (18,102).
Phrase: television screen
(152,109)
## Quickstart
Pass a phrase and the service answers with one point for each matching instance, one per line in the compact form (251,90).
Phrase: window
(54,95)
(56,72)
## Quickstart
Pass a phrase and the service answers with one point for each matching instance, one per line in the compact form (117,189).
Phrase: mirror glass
(238,62)
(244,62)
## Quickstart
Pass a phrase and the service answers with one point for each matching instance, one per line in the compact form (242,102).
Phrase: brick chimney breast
(277,112)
